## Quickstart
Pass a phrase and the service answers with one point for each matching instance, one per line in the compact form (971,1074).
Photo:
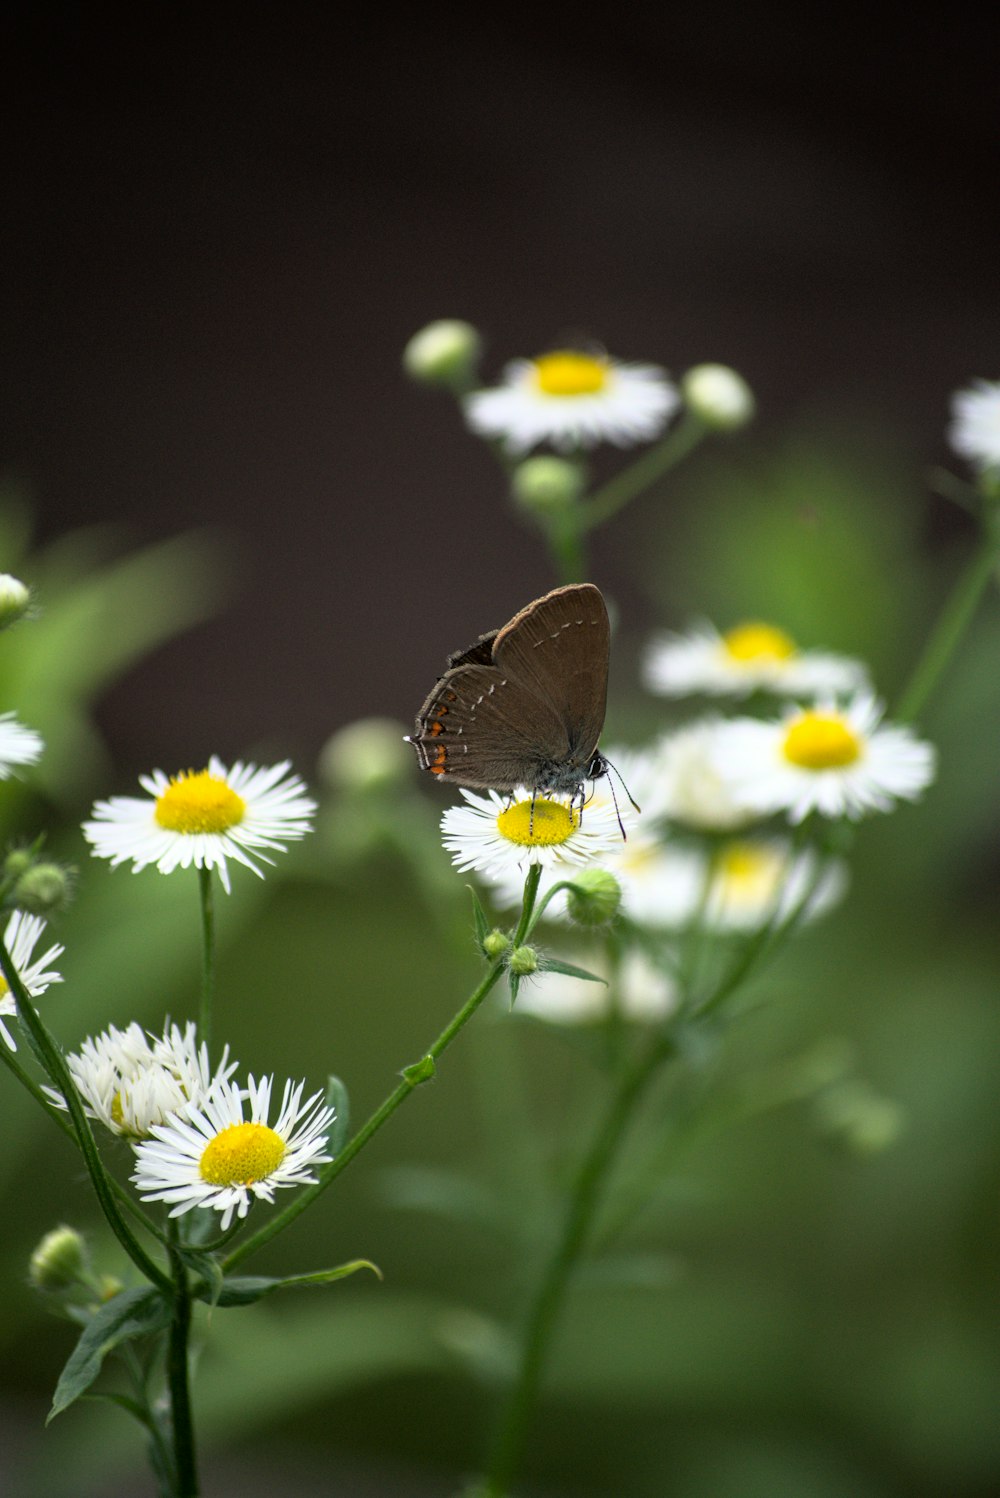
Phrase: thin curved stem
(954,620)
(207,956)
(62,1078)
(631,482)
(178,1379)
(547,1304)
(413,1076)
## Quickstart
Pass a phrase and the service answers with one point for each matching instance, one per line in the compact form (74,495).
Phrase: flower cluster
(715,847)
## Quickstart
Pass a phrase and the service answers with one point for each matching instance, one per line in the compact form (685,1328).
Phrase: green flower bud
(43,889)
(523,961)
(17,862)
(594,897)
(444,353)
(719,396)
(369,755)
(546,485)
(15,600)
(59,1262)
(495,943)
(108,1286)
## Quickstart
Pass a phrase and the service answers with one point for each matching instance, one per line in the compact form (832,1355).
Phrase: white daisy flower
(755,880)
(18,745)
(573,399)
(130,1080)
(975,429)
(689,786)
(500,837)
(212,1156)
(838,761)
(753,656)
(20,939)
(202,818)
(637,990)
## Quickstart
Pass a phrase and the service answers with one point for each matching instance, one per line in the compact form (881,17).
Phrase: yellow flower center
(4,986)
(196,801)
(242,1154)
(748,873)
(568,373)
(544,825)
(821,741)
(753,642)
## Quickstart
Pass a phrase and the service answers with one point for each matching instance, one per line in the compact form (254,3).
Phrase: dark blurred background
(219,227)
(221,224)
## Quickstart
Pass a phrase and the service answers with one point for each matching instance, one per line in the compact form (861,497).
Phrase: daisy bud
(546,485)
(523,962)
(444,353)
(17,862)
(369,755)
(59,1262)
(594,897)
(43,889)
(720,397)
(14,600)
(495,943)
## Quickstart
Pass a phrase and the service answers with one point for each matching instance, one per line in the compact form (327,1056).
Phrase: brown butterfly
(524,705)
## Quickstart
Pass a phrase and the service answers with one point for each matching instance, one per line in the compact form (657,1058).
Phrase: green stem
(954,620)
(569,552)
(62,1078)
(631,482)
(208,955)
(178,1369)
(413,1076)
(545,1308)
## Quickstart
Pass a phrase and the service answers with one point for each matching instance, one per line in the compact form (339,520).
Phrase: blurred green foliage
(786,1320)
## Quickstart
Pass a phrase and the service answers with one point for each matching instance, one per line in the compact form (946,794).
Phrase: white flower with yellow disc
(838,761)
(752,656)
(500,837)
(214,1156)
(573,399)
(202,818)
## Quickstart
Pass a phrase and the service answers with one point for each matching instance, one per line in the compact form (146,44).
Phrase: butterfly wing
(557,649)
(481,727)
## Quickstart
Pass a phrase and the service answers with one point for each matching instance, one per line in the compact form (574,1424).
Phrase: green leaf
(245,1290)
(569,969)
(337,1099)
(132,1313)
(479,916)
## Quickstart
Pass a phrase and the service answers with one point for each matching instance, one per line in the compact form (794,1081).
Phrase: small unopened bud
(523,961)
(546,485)
(15,599)
(108,1286)
(59,1262)
(495,943)
(43,889)
(719,396)
(444,353)
(594,897)
(368,755)
(17,862)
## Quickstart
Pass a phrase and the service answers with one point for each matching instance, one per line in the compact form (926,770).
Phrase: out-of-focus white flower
(974,432)
(573,399)
(752,656)
(841,762)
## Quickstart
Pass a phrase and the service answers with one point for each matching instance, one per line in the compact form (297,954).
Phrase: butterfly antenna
(632,802)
